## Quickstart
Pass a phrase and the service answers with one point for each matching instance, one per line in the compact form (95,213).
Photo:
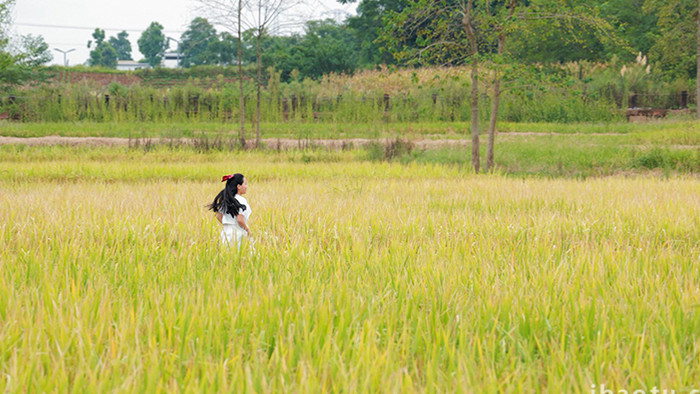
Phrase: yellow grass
(367,277)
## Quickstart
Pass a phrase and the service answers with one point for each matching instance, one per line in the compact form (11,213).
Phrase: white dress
(231,231)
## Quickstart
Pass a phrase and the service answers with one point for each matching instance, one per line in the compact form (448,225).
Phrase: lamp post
(65,61)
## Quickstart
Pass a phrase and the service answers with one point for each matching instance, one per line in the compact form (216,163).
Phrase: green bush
(683,160)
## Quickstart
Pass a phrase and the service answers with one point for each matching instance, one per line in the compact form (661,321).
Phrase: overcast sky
(68,24)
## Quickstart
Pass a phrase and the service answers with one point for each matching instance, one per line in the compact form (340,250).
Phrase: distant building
(171,60)
(130,65)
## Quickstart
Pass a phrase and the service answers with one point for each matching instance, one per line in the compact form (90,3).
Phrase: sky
(68,24)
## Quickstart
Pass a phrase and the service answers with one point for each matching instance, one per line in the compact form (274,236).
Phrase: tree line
(664,31)
(325,46)
(382,31)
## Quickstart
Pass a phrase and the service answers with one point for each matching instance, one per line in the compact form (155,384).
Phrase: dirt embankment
(103,79)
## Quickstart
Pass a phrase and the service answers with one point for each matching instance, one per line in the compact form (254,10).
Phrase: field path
(272,143)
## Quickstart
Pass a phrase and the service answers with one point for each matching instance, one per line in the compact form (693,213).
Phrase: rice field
(366,277)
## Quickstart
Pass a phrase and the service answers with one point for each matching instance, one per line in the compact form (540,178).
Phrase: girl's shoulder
(241,199)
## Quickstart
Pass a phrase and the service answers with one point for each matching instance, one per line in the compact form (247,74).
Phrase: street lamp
(65,61)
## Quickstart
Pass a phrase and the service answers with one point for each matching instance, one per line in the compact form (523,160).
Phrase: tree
(152,44)
(103,54)
(19,60)
(35,51)
(229,13)
(367,25)
(260,17)
(474,31)
(282,53)
(224,48)
(198,44)
(440,32)
(5,19)
(98,35)
(675,42)
(567,36)
(326,47)
(122,45)
(8,69)
(632,26)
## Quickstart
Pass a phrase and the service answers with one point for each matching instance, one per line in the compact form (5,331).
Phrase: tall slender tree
(152,44)
(260,17)
(501,29)
(229,14)
(467,9)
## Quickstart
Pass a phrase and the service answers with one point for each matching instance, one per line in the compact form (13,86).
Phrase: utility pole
(65,61)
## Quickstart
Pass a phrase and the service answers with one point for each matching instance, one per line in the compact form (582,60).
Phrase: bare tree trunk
(497,95)
(241,100)
(697,76)
(258,82)
(467,25)
(475,115)
(492,121)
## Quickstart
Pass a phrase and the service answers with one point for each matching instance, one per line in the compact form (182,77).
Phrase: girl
(232,209)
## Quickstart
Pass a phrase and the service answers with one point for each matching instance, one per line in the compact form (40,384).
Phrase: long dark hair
(226,199)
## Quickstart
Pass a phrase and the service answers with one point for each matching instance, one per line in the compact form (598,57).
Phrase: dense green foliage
(674,41)
(104,54)
(388,32)
(19,57)
(399,32)
(366,26)
(198,44)
(152,44)
(121,44)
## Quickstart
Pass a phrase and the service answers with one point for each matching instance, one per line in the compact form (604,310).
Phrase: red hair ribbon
(226,178)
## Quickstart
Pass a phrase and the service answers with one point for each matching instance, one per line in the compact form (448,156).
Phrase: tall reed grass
(427,95)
